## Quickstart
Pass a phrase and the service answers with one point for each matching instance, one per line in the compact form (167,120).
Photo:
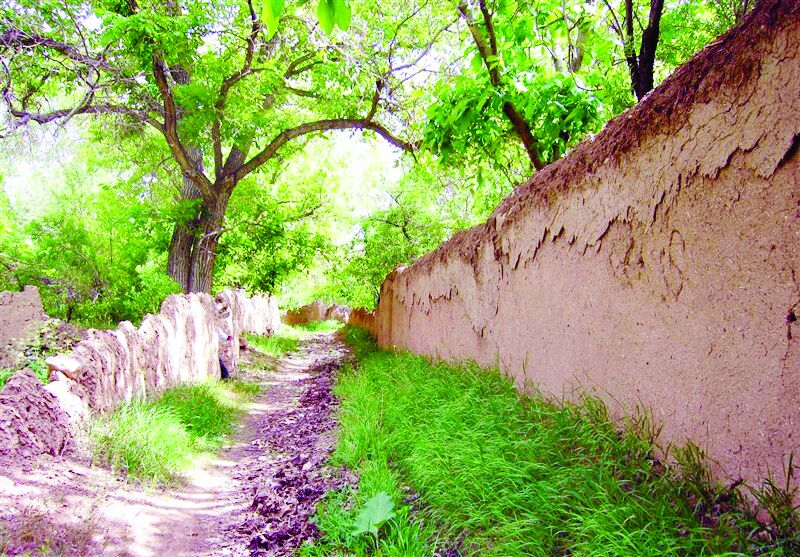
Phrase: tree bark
(641,66)
(183,236)
(204,247)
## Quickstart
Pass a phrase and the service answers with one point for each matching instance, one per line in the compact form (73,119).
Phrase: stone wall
(658,265)
(20,314)
(180,344)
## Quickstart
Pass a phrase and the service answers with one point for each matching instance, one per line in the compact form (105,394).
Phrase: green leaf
(375,513)
(343,14)
(270,14)
(326,14)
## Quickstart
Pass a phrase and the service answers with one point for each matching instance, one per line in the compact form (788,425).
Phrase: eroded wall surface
(658,265)
(316,311)
(20,313)
(181,344)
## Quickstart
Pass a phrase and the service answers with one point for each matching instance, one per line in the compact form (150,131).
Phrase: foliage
(156,440)
(315,218)
(502,474)
(376,512)
(96,247)
(327,326)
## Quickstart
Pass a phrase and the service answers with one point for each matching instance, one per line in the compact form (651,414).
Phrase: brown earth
(657,266)
(21,313)
(254,498)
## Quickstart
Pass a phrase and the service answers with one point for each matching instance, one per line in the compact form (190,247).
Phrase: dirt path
(254,498)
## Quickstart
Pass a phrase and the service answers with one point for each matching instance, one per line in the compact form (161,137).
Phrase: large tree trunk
(183,237)
(204,248)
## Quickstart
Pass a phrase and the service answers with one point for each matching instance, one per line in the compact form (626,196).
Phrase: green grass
(37,366)
(155,440)
(5,375)
(327,326)
(285,340)
(506,475)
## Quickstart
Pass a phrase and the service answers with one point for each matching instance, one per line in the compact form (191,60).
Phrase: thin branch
(45,118)
(321,126)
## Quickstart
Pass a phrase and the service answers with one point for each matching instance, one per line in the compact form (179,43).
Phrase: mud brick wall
(20,314)
(316,311)
(178,345)
(657,265)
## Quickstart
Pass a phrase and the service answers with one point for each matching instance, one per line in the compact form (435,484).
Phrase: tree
(224,92)
(640,65)
(487,48)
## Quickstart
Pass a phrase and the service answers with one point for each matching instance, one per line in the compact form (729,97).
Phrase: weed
(779,500)
(38,367)
(5,375)
(503,474)
(375,513)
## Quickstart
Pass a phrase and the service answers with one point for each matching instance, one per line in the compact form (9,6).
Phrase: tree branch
(26,117)
(227,84)
(488,53)
(171,133)
(320,126)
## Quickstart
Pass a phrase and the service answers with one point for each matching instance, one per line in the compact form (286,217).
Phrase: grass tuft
(155,440)
(472,466)
(327,326)
(285,340)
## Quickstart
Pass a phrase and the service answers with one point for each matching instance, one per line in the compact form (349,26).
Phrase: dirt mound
(31,420)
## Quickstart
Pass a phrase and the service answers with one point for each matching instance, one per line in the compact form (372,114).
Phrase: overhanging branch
(321,126)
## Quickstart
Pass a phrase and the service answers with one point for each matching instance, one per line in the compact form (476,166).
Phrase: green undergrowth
(471,465)
(37,366)
(154,440)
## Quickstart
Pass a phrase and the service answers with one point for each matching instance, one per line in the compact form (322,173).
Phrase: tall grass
(472,463)
(286,339)
(155,440)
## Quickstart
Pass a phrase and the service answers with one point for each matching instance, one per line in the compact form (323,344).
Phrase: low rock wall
(181,344)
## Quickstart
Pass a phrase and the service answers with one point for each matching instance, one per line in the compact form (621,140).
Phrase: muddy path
(254,498)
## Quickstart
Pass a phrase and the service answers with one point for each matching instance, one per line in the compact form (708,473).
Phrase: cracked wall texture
(657,265)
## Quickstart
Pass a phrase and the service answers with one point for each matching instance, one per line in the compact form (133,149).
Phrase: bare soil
(254,498)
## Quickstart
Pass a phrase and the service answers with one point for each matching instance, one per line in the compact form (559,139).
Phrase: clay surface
(657,266)
(31,419)
(316,311)
(20,314)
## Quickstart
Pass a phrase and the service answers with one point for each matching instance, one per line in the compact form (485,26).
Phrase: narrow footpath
(254,498)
